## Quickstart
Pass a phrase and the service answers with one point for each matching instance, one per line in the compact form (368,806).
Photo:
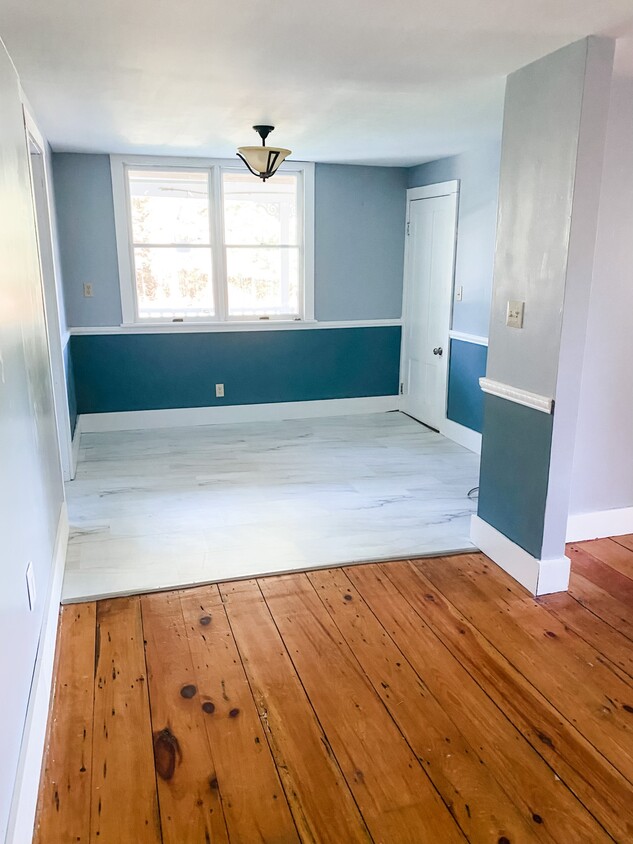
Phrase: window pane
(173,282)
(260,213)
(263,282)
(169,207)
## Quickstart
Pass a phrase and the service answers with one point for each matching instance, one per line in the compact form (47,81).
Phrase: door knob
(438,351)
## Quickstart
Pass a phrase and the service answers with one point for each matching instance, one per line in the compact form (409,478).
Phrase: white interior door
(428,293)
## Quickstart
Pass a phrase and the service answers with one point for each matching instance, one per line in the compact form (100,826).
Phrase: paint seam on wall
(227,327)
(516,395)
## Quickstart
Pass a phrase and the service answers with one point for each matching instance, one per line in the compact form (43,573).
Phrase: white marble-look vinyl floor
(167,508)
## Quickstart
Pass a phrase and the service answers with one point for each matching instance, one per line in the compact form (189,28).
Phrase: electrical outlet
(459,293)
(30,585)
(514,314)
(88,290)
(219,391)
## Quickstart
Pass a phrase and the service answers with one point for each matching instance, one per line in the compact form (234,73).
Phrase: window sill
(228,325)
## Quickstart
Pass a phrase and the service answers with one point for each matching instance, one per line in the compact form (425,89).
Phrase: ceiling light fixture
(263,161)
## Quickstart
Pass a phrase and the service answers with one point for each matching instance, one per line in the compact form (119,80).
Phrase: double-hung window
(212,243)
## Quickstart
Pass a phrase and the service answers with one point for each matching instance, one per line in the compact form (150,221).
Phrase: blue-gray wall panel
(467,365)
(359,222)
(514,471)
(151,371)
(87,243)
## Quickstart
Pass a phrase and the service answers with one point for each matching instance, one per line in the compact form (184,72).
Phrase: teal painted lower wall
(119,372)
(513,481)
(70,389)
(467,364)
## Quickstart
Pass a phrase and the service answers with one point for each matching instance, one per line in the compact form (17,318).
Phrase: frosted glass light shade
(263,161)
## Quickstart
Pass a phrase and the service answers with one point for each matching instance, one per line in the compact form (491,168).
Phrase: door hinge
(402,388)
(408,229)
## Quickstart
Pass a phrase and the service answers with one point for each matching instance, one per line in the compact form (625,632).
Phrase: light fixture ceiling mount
(263,161)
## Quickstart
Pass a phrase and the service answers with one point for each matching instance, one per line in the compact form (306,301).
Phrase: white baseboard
(76,442)
(24,803)
(188,416)
(599,524)
(461,435)
(540,577)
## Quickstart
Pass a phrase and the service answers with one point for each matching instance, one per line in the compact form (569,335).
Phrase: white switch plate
(459,293)
(219,391)
(30,585)
(88,290)
(514,314)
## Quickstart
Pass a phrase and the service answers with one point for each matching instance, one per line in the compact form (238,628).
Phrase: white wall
(603,457)
(31,490)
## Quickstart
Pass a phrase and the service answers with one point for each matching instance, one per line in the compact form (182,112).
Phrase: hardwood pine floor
(423,701)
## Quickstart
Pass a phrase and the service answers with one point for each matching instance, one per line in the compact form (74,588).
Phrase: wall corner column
(551,166)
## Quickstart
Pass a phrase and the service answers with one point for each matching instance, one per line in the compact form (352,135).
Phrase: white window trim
(122,224)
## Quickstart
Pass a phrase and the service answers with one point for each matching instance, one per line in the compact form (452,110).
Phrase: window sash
(125,245)
(271,315)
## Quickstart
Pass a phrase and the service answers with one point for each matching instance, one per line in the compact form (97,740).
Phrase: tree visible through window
(171,242)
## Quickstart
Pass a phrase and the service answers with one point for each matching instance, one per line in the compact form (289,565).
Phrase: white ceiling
(360,81)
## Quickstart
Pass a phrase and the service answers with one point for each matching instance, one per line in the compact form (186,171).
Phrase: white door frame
(40,182)
(427,192)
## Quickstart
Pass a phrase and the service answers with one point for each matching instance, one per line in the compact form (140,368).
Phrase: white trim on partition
(212,328)
(429,191)
(540,577)
(468,338)
(461,435)
(517,395)
(24,803)
(134,420)
(599,524)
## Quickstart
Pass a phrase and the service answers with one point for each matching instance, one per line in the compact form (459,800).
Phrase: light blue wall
(359,221)
(478,172)
(87,245)
(359,240)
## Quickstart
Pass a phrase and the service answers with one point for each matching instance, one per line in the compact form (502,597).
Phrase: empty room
(316,488)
